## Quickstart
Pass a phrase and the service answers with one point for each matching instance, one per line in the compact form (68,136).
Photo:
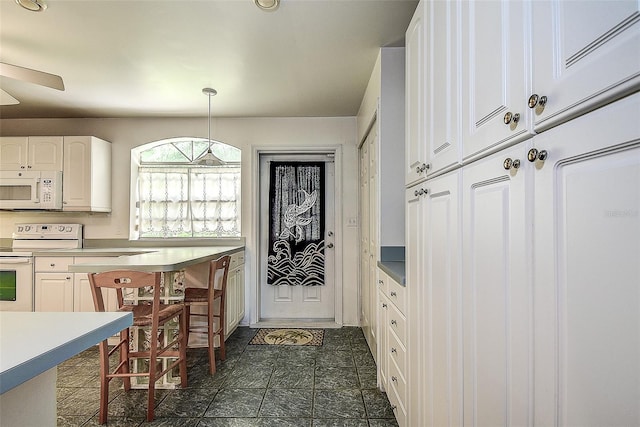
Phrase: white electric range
(16,262)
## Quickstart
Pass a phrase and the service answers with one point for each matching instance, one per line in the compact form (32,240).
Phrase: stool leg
(124,357)
(211,342)
(184,340)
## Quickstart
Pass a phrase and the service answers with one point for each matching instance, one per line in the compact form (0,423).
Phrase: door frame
(336,151)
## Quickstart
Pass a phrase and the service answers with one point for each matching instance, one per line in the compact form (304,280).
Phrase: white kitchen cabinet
(234,298)
(392,344)
(56,289)
(440,381)
(366,257)
(587,252)
(495,76)
(54,292)
(416,161)
(497,297)
(37,153)
(585,54)
(442,80)
(86,174)
(382,336)
(418,325)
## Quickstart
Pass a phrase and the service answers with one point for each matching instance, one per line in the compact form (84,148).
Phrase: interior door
(283,301)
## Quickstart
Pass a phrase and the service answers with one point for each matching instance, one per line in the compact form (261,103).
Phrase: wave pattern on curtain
(296,223)
(189,202)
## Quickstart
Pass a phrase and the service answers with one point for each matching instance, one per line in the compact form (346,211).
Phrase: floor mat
(288,336)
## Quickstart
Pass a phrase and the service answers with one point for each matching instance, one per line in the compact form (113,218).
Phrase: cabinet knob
(393,350)
(384,305)
(21,167)
(510,163)
(330,245)
(510,117)
(393,408)
(393,322)
(68,278)
(537,100)
(534,155)
(416,193)
(393,294)
(380,282)
(394,378)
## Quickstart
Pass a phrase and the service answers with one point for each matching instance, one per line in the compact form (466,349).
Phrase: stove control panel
(47,231)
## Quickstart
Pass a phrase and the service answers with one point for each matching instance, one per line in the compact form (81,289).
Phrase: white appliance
(16,262)
(30,190)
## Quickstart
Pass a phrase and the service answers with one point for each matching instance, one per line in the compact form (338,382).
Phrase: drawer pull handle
(393,294)
(393,350)
(393,322)
(52,265)
(394,379)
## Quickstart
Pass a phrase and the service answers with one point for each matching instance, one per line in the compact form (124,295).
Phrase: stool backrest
(124,279)
(218,273)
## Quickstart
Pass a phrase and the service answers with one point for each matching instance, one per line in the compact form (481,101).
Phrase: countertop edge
(146,260)
(35,366)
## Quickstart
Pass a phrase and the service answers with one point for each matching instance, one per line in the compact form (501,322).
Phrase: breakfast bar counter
(166,259)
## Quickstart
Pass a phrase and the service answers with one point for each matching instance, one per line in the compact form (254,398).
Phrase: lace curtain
(189,202)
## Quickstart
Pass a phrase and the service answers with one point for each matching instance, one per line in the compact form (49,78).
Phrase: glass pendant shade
(208,158)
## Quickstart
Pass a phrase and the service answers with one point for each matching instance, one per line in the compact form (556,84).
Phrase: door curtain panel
(296,224)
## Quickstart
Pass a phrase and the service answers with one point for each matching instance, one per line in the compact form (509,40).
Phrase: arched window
(177,198)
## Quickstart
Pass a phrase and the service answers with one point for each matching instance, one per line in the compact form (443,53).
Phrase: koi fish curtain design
(296,224)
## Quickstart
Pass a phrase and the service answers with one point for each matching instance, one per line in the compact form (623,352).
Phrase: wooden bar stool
(215,291)
(148,313)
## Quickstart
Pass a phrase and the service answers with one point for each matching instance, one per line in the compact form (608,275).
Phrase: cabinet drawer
(397,295)
(236,260)
(57,264)
(383,282)
(397,382)
(397,323)
(398,408)
(397,354)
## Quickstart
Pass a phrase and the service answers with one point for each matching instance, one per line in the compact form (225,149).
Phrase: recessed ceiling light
(268,5)
(33,5)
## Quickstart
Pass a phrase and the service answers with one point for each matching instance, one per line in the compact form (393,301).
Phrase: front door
(297,237)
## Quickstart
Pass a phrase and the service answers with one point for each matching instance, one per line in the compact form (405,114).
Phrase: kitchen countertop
(395,270)
(32,343)
(143,259)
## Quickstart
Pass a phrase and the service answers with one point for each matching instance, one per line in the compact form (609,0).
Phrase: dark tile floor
(333,385)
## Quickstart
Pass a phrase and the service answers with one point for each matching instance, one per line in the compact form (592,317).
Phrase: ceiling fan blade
(6,99)
(33,76)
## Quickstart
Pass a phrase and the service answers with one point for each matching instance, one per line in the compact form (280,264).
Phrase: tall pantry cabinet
(522,255)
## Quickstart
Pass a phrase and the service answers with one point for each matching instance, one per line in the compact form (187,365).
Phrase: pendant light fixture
(208,158)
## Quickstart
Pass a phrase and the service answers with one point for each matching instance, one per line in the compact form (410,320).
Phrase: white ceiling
(151,58)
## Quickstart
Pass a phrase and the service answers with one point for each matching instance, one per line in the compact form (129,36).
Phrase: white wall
(243,133)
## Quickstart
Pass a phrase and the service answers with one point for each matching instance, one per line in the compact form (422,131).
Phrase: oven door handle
(15,261)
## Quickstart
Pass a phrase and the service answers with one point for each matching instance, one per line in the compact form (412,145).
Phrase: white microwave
(30,190)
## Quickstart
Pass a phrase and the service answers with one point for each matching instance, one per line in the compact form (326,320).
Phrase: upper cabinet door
(13,153)
(495,76)
(443,81)
(45,153)
(585,54)
(415,146)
